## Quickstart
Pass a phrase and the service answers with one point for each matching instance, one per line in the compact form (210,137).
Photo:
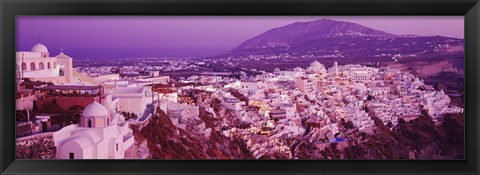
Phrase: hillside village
(65,113)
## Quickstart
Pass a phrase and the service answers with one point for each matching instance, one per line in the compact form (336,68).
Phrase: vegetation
(129,115)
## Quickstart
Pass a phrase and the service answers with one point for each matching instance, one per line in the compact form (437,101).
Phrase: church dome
(316,64)
(39,48)
(95,110)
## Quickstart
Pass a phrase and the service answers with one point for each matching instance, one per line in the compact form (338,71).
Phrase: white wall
(107,77)
(25,103)
(132,104)
(79,152)
(41,73)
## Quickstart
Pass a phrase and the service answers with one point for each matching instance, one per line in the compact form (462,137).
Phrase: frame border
(11,8)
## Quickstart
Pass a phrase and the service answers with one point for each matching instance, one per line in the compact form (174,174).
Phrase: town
(88,111)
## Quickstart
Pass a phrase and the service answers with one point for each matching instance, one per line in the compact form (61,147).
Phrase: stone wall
(24,129)
(40,146)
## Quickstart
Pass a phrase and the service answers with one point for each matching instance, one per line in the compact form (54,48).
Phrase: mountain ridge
(311,30)
(331,38)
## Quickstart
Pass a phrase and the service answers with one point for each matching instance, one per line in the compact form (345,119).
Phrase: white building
(179,111)
(316,67)
(288,75)
(106,77)
(253,89)
(359,118)
(335,68)
(436,103)
(231,102)
(130,99)
(362,73)
(378,91)
(25,101)
(37,64)
(100,135)
(305,84)
(157,79)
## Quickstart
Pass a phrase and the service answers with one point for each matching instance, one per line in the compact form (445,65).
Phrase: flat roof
(158,85)
(128,90)
(69,87)
(138,81)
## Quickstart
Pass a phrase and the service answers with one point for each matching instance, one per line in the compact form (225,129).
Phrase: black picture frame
(11,8)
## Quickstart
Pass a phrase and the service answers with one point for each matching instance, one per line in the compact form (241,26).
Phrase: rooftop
(129,90)
(69,87)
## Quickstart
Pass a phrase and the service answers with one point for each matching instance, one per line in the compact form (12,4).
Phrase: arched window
(49,66)
(41,66)
(32,66)
(24,66)
(108,121)
(89,123)
(54,65)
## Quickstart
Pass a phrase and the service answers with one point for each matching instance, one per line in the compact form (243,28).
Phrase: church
(100,135)
(38,65)
(316,67)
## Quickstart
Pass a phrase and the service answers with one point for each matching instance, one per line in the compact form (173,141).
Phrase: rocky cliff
(420,138)
(166,141)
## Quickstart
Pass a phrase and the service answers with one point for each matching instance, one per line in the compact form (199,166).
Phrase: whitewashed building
(100,135)
(37,64)
(316,67)
(130,99)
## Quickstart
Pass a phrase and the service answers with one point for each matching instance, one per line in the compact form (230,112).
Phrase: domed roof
(95,110)
(39,48)
(316,64)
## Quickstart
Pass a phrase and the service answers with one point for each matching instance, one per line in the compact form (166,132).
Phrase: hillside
(166,141)
(299,32)
(330,38)
(416,139)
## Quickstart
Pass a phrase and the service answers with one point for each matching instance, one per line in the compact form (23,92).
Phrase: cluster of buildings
(102,131)
(269,111)
(288,104)
(137,66)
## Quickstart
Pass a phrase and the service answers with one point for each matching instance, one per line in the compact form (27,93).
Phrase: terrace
(70,91)
(162,88)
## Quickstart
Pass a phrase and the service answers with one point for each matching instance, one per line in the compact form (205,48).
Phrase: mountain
(330,38)
(305,31)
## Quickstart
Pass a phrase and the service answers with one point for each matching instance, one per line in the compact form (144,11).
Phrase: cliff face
(441,67)
(166,141)
(416,139)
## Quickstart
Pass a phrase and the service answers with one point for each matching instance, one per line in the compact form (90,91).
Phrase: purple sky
(144,36)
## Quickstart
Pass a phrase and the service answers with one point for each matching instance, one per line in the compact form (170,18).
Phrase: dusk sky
(153,36)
